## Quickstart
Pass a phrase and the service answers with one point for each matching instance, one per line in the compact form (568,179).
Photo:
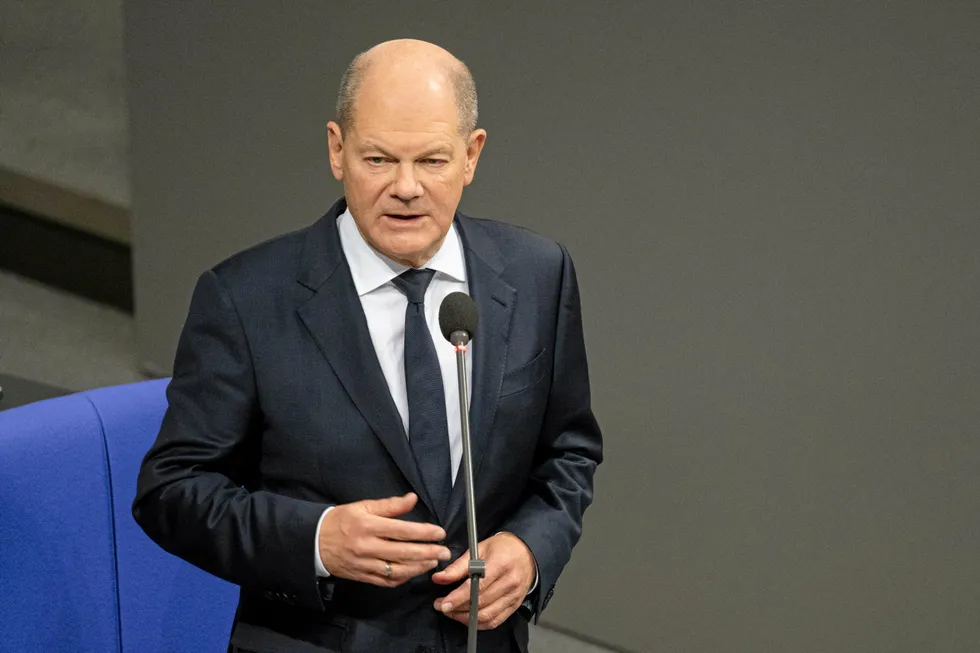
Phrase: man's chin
(412,248)
(413,255)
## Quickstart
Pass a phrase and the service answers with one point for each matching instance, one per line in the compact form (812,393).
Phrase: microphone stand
(477,567)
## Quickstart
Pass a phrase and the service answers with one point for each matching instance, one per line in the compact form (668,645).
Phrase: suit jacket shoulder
(517,244)
(266,265)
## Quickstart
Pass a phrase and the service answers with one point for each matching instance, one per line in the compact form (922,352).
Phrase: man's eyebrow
(438,149)
(369,146)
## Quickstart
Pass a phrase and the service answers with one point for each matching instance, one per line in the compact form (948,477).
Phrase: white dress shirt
(384,307)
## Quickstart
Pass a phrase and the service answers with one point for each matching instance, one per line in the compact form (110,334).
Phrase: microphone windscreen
(457,313)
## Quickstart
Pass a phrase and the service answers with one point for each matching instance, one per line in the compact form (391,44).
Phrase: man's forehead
(401,140)
(401,100)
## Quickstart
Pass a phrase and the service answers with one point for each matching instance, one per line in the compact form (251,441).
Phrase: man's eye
(376,160)
(433,162)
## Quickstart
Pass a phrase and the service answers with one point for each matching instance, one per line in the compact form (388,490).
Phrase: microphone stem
(477,567)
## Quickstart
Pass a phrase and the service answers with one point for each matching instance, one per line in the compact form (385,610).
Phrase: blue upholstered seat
(76,572)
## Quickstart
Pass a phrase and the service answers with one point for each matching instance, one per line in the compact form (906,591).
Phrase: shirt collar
(371,269)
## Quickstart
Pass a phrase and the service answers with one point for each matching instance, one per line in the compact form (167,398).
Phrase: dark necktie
(428,432)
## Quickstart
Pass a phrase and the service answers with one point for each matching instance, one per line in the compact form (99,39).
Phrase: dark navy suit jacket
(278,408)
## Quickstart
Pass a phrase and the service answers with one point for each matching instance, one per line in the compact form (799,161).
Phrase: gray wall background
(773,208)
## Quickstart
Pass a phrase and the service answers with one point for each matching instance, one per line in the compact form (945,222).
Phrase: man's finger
(491,591)
(487,618)
(459,599)
(495,614)
(406,531)
(378,549)
(392,506)
(400,572)
(490,616)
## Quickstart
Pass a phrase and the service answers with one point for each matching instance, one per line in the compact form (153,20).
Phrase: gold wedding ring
(387,569)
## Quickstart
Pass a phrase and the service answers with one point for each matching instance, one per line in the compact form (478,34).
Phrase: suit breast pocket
(526,375)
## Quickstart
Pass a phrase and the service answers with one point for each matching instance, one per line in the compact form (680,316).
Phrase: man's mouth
(404,216)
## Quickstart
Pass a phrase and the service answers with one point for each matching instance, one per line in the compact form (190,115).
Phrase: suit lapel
(335,319)
(495,300)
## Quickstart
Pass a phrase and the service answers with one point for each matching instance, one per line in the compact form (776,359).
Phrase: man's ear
(473,148)
(335,141)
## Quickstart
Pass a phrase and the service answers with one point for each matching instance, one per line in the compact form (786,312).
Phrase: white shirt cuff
(321,571)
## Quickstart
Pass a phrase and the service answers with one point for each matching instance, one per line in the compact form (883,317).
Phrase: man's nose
(407,185)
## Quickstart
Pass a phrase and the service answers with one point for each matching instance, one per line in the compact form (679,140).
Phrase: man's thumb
(454,572)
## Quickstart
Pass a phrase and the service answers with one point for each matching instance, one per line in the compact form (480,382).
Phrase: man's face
(404,164)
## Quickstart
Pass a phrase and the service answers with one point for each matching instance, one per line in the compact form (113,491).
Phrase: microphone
(457,321)
(457,318)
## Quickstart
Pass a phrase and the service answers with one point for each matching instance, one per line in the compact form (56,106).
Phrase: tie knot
(413,283)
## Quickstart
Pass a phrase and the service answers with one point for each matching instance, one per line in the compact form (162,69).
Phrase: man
(312,442)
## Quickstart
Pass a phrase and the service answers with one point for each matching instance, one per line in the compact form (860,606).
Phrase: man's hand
(357,539)
(510,576)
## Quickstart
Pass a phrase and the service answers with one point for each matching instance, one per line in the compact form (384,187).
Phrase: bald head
(410,66)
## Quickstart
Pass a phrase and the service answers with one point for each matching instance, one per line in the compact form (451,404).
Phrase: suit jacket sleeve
(193,493)
(569,449)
